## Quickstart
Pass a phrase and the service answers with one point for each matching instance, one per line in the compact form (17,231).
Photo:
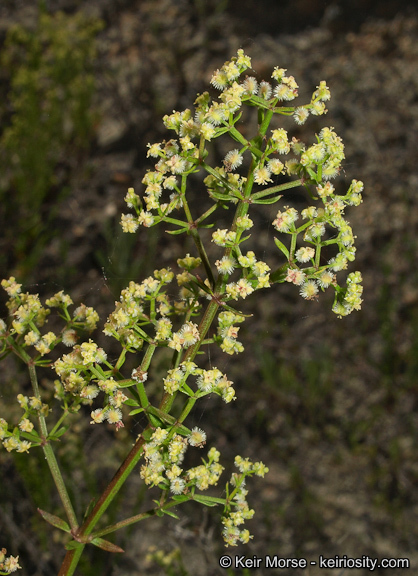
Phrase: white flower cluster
(178,158)
(164,456)
(130,313)
(239,511)
(314,277)
(208,381)
(8,564)
(227,332)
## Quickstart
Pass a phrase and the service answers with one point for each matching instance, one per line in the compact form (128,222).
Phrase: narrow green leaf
(220,131)
(177,232)
(106,545)
(219,196)
(61,431)
(131,402)
(181,498)
(208,500)
(154,421)
(282,247)
(31,436)
(268,200)
(133,412)
(259,102)
(276,189)
(169,513)
(55,520)
(175,222)
(198,282)
(167,418)
(90,507)
(126,383)
(328,242)
(235,311)
(313,175)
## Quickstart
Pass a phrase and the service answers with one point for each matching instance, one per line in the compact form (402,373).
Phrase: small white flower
(197,437)
(232,160)
(177,485)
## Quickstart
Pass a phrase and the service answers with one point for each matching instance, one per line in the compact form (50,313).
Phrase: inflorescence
(146,317)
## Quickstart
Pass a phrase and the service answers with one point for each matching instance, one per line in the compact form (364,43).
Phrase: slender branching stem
(50,456)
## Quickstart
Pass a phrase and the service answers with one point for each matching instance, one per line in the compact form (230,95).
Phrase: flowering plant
(147,319)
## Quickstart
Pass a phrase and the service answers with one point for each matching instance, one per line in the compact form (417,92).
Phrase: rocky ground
(329,405)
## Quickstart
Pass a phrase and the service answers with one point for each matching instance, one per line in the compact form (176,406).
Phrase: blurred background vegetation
(47,122)
(329,405)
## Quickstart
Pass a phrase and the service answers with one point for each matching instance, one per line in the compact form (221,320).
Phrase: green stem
(60,421)
(124,523)
(198,241)
(146,361)
(202,253)
(132,520)
(72,557)
(186,410)
(318,255)
(274,189)
(238,136)
(121,360)
(50,456)
(265,123)
(206,214)
(212,309)
(204,326)
(71,561)
(285,110)
(293,245)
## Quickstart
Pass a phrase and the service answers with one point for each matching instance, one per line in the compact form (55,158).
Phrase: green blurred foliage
(171,563)
(48,118)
